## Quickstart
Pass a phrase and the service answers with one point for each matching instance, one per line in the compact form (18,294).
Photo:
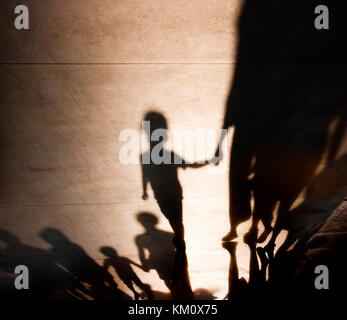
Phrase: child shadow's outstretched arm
(194,165)
(145,181)
(106,264)
(184,164)
(108,277)
(142,257)
(134,264)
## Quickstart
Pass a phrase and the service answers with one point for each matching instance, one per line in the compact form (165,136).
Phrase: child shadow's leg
(131,287)
(143,286)
(173,212)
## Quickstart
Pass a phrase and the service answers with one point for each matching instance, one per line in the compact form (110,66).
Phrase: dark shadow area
(310,216)
(73,258)
(288,107)
(311,241)
(157,252)
(41,265)
(65,272)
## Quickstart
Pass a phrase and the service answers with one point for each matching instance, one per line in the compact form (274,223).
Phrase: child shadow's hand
(145,196)
(217,157)
(145,266)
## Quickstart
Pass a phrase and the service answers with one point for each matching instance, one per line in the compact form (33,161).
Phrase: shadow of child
(160,170)
(122,266)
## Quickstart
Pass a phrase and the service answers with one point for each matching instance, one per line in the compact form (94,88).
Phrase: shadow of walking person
(74,259)
(47,280)
(169,262)
(160,170)
(125,272)
(283,101)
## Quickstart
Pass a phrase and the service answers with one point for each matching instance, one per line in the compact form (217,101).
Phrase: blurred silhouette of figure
(298,172)
(323,196)
(283,100)
(160,248)
(159,168)
(291,268)
(264,262)
(74,259)
(47,280)
(169,262)
(257,275)
(125,272)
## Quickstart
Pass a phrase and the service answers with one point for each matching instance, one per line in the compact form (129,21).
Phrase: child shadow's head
(158,126)
(54,237)
(8,238)
(148,220)
(109,252)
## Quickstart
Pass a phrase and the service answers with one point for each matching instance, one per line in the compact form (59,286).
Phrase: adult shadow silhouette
(287,105)
(169,262)
(81,266)
(236,285)
(160,170)
(285,97)
(47,280)
(122,266)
